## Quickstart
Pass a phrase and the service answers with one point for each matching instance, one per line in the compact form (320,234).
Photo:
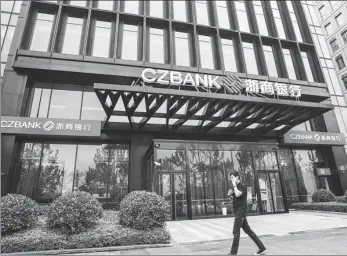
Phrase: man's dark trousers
(241,222)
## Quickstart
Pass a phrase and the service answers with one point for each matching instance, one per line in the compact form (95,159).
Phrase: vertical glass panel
(72,38)
(242,16)
(156,44)
(3,32)
(300,127)
(131,6)
(229,55)
(180,193)
(14,19)
(289,63)
(5,18)
(129,47)
(223,16)
(251,62)
(65,104)
(294,21)
(307,66)
(7,43)
(259,13)
(206,55)
(335,81)
(329,29)
(266,160)
(171,160)
(35,102)
(182,53)
(42,32)
(17,6)
(156,8)
(265,192)
(304,161)
(91,107)
(180,11)
(324,46)
(270,61)
(101,46)
(202,12)
(278,19)
(165,190)
(78,3)
(6,6)
(44,104)
(105,5)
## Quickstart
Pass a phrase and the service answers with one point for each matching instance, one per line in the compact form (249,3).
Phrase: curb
(91,250)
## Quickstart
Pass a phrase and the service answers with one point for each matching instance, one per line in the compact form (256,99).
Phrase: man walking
(239,194)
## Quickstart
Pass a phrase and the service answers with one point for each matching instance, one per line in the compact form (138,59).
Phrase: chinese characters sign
(314,138)
(269,88)
(42,126)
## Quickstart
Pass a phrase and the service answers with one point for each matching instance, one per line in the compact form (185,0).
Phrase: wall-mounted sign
(314,138)
(230,83)
(323,171)
(50,126)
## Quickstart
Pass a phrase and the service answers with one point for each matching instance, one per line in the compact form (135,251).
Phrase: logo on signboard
(230,83)
(316,137)
(48,126)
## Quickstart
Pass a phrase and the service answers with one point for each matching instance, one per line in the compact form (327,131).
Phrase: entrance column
(139,144)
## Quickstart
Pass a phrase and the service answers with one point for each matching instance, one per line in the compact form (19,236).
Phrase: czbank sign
(49,126)
(314,138)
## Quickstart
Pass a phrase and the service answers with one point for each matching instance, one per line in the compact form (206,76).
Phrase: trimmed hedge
(107,232)
(327,206)
(323,195)
(74,212)
(17,212)
(341,199)
(143,210)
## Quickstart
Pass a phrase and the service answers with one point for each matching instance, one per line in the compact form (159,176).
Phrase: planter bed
(326,206)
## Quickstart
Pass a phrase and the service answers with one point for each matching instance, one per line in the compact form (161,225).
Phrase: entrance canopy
(163,109)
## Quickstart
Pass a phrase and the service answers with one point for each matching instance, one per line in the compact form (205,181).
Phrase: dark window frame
(340,62)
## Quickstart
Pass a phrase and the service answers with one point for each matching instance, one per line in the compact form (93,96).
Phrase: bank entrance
(193,177)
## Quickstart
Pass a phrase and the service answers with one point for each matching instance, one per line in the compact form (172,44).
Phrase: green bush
(326,206)
(74,212)
(341,199)
(43,209)
(17,212)
(143,210)
(107,232)
(323,195)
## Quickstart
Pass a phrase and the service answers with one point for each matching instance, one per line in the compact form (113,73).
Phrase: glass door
(172,187)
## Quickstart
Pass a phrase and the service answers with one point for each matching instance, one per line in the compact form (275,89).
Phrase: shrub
(143,210)
(341,199)
(323,195)
(17,212)
(327,206)
(43,209)
(74,212)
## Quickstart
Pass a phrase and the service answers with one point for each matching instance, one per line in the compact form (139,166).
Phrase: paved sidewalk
(203,230)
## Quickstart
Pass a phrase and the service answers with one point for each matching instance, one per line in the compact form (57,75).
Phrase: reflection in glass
(206,55)
(229,55)
(251,62)
(129,47)
(156,8)
(72,37)
(91,107)
(156,45)
(289,63)
(270,61)
(182,54)
(259,13)
(180,12)
(42,32)
(266,160)
(294,21)
(202,13)
(101,46)
(65,104)
(223,16)
(242,16)
(278,19)
(171,160)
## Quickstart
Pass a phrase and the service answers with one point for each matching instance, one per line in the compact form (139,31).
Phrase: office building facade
(169,96)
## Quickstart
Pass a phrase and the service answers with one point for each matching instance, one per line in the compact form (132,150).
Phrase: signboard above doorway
(314,138)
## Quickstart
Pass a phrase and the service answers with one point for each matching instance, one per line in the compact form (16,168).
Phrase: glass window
(131,6)
(340,62)
(65,104)
(3,32)
(105,5)
(229,55)
(5,18)
(202,13)
(259,13)
(130,43)
(72,38)
(324,46)
(334,45)
(42,32)
(35,102)
(223,16)
(294,21)
(156,44)
(344,36)
(278,19)
(6,6)
(14,19)
(342,102)
(91,107)
(44,103)
(156,8)
(344,80)
(270,61)
(324,10)
(341,19)
(78,3)
(307,66)
(340,121)
(329,28)
(251,62)
(180,11)
(7,43)
(242,16)
(101,46)
(335,81)
(289,63)
(17,6)
(182,53)
(206,55)
(2,68)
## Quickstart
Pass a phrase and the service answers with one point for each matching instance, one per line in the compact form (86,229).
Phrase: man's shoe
(260,252)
